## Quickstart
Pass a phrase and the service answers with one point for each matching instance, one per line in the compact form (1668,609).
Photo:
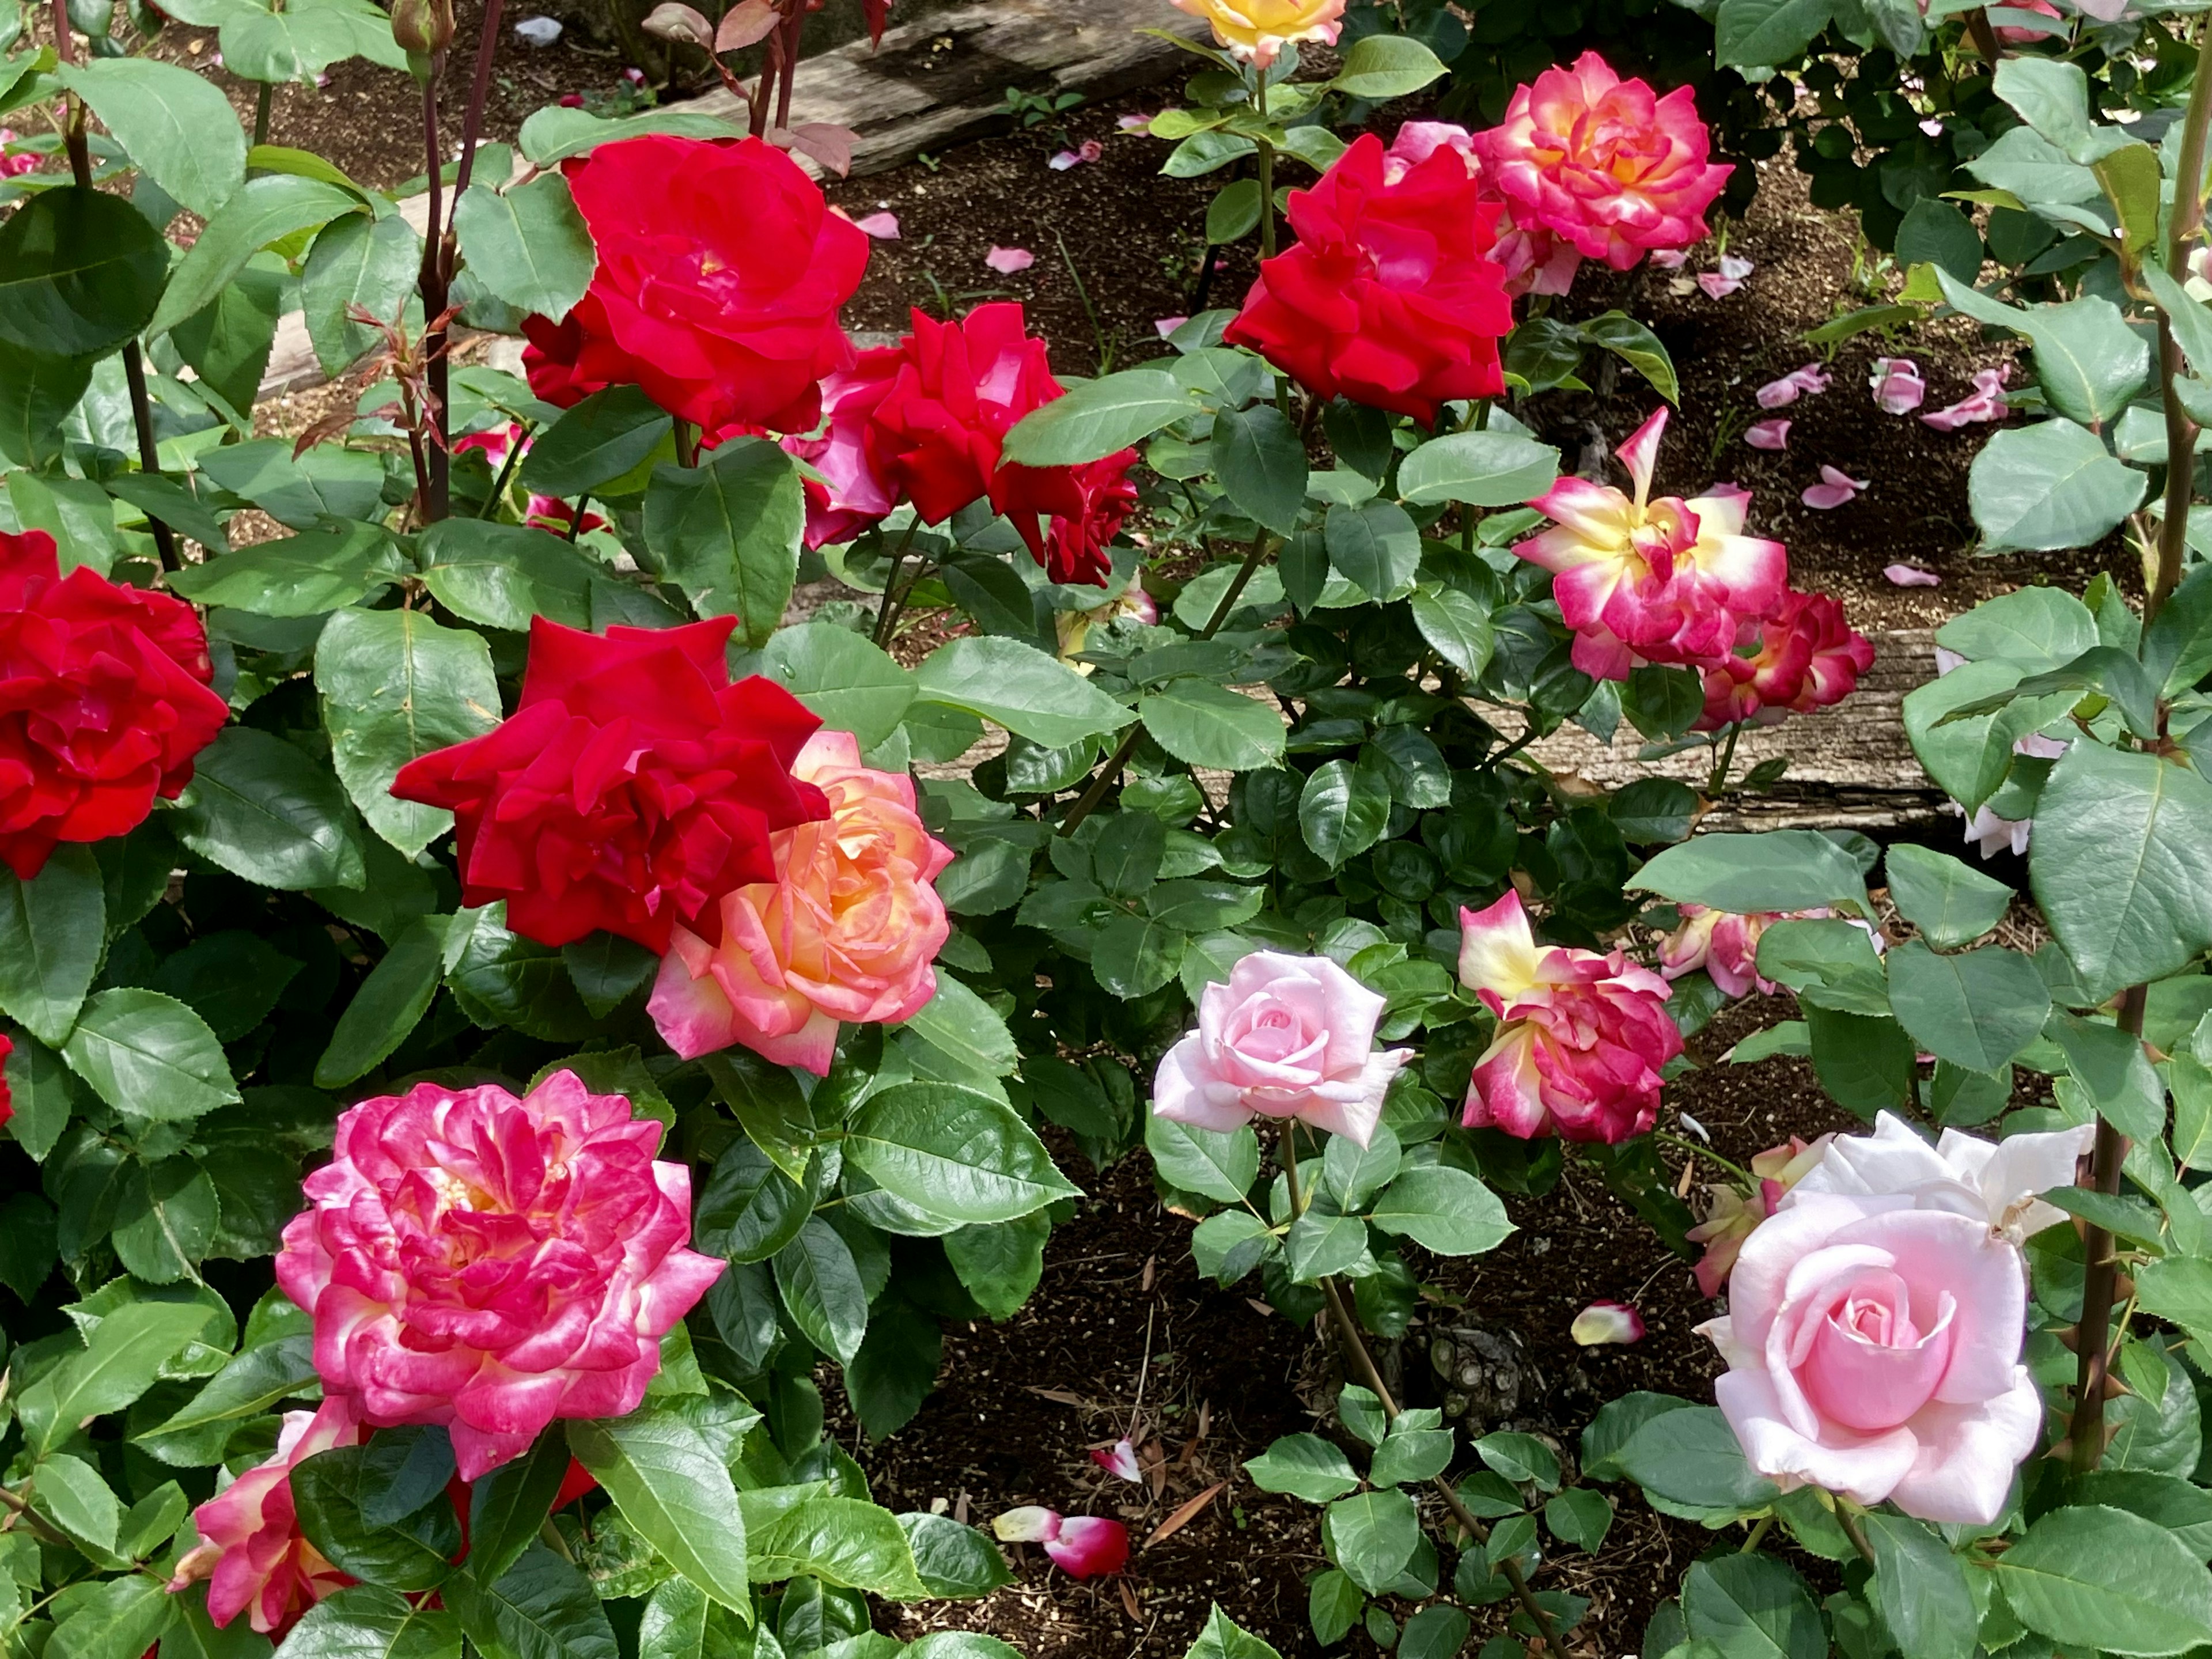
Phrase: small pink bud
(1606,1322)
(1119,1460)
(1167,326)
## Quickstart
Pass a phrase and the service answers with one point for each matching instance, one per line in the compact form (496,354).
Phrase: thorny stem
(2085,1431)
(134,363)
(1088,802)
(432,284)
(793,27)
(472,116)
(2180,430)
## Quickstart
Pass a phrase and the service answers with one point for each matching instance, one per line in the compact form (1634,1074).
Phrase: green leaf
(1376,547)
(1379,66)
(1753,1607)
(998,1264)
(228,342)
(396,685)
(81,272)
(670,1485)
(1478,469)
(508,1506)
(1689,1463)
(2089,362)
(37,393)
(1936,233)
(554,134)
(527,244)
(850,683)
(607,436)
(301,575)
(2102,1579)
(1951,903)
(1443,1209)
(1759,33)
(150,1056)
(51,929)
(1579,1517)
(896,1367)
(165,1220)
(122,1358)
(1921,1589)
(297,43)
(1779,870)
(1305,1465)
(251,1383)
(261,809)
(956,1022)
(1828,963)
(2036,628)
(69,1492)
(300,491)
(541,1607)
(1261,463)
(1320,1245)
(1208,725)
(952,1559)
(1343,808)
(503,574)
(177,126)
(1334,1604)
(260,212)
(1371,1536)
(1020,688)
(1456,625)
(371,264)
(1408,1455)
(1213,1164)
(119,1618)
(2121,841)
(2049,486)
(389,1005)
(822,1289)
(727,532)
(840,1540)
(363,1621)
(1978,1010)
(412,1553)
(1222,1637)
(2114,1072)
(1866,1062)
(953,1153)
(1100,417)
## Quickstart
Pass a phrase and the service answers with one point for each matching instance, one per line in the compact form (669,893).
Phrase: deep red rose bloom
(721,270)
(1388,297)
(631,788)
(104,701)
(926,420)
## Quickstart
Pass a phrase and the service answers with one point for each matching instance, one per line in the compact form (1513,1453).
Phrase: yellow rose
(1256,29)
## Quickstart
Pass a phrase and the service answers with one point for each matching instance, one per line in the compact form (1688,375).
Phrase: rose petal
(1167,326)
(1767,434)
(1008,260)
(1119,1460)
(1905,575)
(883,226)
(1606,1322)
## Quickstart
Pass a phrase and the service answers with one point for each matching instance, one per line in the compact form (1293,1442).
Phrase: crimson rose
(104,701)
(631,788)
(720,272)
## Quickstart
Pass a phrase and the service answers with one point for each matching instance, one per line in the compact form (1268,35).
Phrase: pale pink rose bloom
(1081,1545)
(1777,394)
(1719,284)
(1008,261)
(1986,402)
(1664,580)
(1910,575)
(846,932)
(1604,163)
(1258,30)
(1896,385)
(1768,434)
(1606,1322)
(1736,1213)
(1836,489)
(1877,1320)
(1286,1037)
(1119,1460)
(1582,1037)
(883,226)
(491,1263)
(251,1549)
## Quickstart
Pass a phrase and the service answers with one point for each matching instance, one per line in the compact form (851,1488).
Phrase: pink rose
(845,931)
(1801,656)
(1605,163)
(251,1548)
(490,1264)
(1877,1320)
(1288,1036)
(1582,1035)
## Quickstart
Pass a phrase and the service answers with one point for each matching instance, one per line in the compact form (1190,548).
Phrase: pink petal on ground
(1896,384)
(1008,260)
(1835,490)
(883,226)
(1670,259)
(1137,122)
(1776,394)
(1091,149)
(1719,284)
(1606,1322)
(1089,1546)
(1768,434)
(1167,326)
(1907,575)
(1065,160)
(1119,1460)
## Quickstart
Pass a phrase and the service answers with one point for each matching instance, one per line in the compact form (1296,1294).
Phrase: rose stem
(1355,1348)
(887,614)
(2085,1431)
(1095,792)
(134,364)
(2180,430)
(432,284)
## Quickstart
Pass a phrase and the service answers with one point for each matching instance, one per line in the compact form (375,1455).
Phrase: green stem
(576,520)
(1267,168)
(506,474)
(2180,430)
(1718,781)
(261,100)
(887,614)
(1758,1535)
(2085,1430)
(1855,1532)
(1706,1153)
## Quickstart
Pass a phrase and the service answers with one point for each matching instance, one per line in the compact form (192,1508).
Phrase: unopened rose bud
(423,26)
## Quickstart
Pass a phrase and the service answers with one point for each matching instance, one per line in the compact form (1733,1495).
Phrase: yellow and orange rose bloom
(1257,30)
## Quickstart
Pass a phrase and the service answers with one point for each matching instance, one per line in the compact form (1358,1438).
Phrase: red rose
(631,788)
(721,270)
(926,421)
(7,1094)
(104,701)
(1386,298)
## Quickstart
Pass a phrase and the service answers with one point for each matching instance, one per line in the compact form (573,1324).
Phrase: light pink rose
(251,1548)
(1877,1320)
(1288,1036)
(1604,163)
(1582,1035)
(845,931)
(490,1264)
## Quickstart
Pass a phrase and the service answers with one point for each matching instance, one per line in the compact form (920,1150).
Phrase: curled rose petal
(1119,1460)
(1089,1546)
(1906,575)
(1986,402)
(883,226)
(1139,121)
(1032,1523)
(1669,258)
(1008,260)
(1606,1322)
(1896,385)
(1719,284)
(1835,490)
(1768,434)
(1776,394)
(1065,160)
